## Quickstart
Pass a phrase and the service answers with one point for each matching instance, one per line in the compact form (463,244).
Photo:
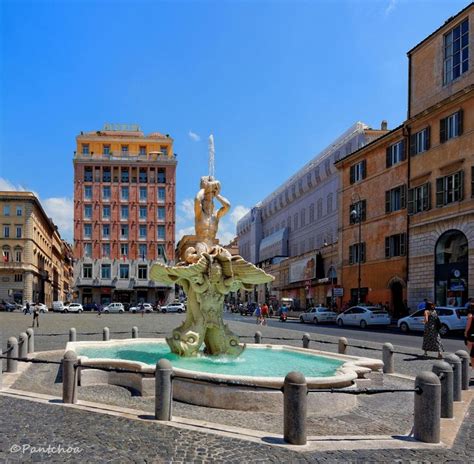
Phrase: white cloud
(187,208)
(238,212)
(390,7)
(7,186)
(184,231)
(193,136)
(61,210)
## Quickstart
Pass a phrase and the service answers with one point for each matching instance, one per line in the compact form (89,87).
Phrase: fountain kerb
(207,272)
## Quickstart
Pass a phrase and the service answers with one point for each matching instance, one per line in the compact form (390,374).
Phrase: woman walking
(431,337)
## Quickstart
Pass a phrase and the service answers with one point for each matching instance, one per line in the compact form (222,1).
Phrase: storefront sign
(338,291)
(304,269)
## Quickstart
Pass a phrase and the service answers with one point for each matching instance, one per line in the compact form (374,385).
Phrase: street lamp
(357,217)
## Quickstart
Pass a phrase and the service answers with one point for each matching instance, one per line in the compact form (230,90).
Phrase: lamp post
(357,216)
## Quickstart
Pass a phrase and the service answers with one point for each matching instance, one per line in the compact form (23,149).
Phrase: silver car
(452,319)
(318,314)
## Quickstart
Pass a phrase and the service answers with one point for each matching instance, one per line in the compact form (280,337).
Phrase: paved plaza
(102,437)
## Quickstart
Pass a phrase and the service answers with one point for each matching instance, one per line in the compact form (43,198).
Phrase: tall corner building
(124,214)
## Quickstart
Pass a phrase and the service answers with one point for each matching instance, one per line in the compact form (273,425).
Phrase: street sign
(338,291)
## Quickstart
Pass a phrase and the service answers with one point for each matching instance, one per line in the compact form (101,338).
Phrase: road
(391,334)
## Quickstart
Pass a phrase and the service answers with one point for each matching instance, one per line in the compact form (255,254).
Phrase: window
(143,176)
(124,193)
(357,253)
(142,231)
(124,250)
(85,148)
(358,172)
(161,212)
(105,271)
(106,193)
(361,208)
(106,250)
(123,231)
(19,211)
(419,199)
(18,255)
(18,277)
(142,272)
(142,250)
(319,207)
(163,151)
(295,222)
(142,151)
(87,192)
(303,217)
(143,193)
(19,231)
(124,175)
(87,230)
(87,174)
(124,212)
(106,212)
(420,141)
(161,232)
(449,189)
(6,231)
(87,271)
(124,271)
(124,149)
(105,231)
(456,52)
(329,203)
(88,249)
(395,199)
(161,176)
(6,254)
(106,176)
(327,167)
(395,245)
(88,211)
(142,212)
(311,213)
(161,194)
(395,153)
(6,210)
(161,251)
(451,127)
(106,150)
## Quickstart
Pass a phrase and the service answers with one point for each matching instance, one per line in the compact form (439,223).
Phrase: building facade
(36,263)
(300,221)
(440,126)
(124,214)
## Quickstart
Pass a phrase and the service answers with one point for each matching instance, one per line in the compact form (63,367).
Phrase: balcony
(121,156)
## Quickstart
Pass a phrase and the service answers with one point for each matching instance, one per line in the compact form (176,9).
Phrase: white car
(363,316)
(42,307)
(173,307)
(452,319)
(136,309)
(73,308)
(318,314)
(114,308)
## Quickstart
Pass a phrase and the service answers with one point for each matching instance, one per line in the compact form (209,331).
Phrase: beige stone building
(36,263)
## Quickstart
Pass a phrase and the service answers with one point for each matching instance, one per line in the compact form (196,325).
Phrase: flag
(5,257)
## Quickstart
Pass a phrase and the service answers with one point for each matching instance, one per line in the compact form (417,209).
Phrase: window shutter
(351,255)
(439,192)
(363,211)
(461,185)
(364,169)
(403,156)
(442,130)
(412,145)
(460,122)
(427,138)
(411,202)
(427,198)
(403,196)
(362,252)
(403,241)
(388,160)
(387,201)
(352,174)
(351,218)
(387,247)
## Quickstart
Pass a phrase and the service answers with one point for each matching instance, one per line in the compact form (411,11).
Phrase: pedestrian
(257,313)
(142,308)
(264,310)
(431,336)
(36,316)
(27,308)
(469,302)
(469,332)
(99,311)
(422,305)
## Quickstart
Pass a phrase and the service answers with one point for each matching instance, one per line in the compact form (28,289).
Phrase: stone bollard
(163,390)
(134,332)
(258,337)
(306,340)
(31,340)
(106,334)
(445,373)
(427,422)
(69,377)
(72,334)
(295,392)
(457,376)
(23,346)
(12,352)
(464,357)
(387,358)
(342,345)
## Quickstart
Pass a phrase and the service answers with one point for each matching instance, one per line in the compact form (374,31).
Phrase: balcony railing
(121,156)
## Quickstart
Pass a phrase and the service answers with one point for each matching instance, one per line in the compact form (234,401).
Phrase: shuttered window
(449,189)
(357,253)
(395,153)
(395,199)
(395,245)
(358,172)
(420,142)
(419,199)
(451,127)
(361,209)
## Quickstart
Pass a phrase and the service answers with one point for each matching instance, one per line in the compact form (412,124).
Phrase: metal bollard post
(445,373)
(69,377)
(163,390)
(134,332)
(23,346)
(31,340)
(295,392)
(342,345)
(427,422)
(72,334)
(456,365)
(464,357)
(258,337)
(12,352)
(387,358)
(106,334)
(306,340)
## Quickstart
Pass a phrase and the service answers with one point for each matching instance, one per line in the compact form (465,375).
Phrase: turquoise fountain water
(261,362)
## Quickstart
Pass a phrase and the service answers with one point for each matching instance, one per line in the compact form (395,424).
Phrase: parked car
(41,307)
(114,308)
(173,307)
(136,309)
(9,306)
(452,319)
(363,316)
(318,314)
(59,306)
(74,308)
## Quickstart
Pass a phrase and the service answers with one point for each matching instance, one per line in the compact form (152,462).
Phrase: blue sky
(274,81)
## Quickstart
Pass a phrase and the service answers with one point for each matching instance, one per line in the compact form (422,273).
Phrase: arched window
(18,254)
(451,248)
(6,254)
